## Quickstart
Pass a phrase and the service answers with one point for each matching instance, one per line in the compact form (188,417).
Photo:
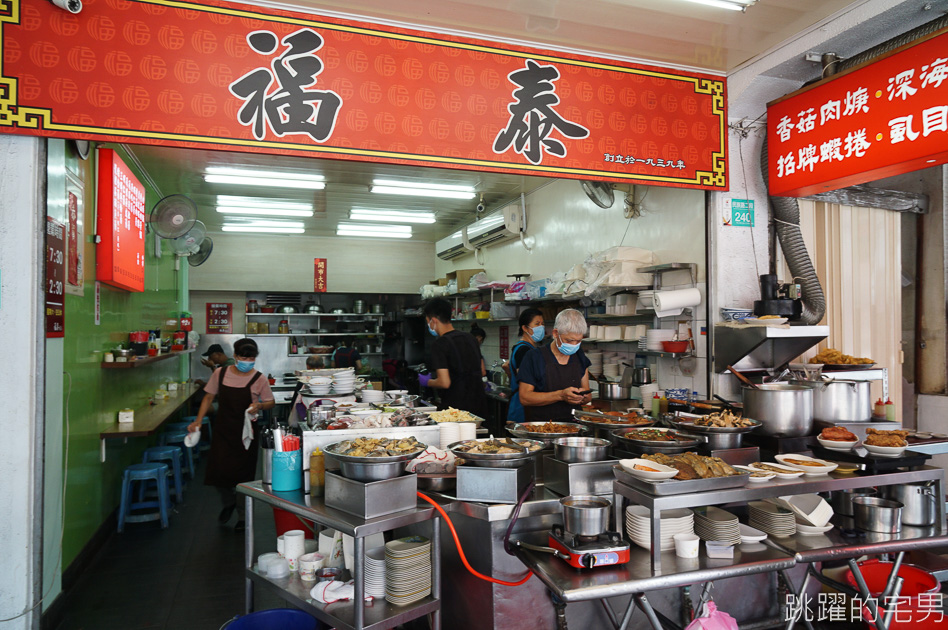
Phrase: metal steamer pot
(784,410)
(918,502)
(840,401)
(613,391)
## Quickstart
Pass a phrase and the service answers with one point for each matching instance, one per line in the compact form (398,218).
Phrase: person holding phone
(555,380)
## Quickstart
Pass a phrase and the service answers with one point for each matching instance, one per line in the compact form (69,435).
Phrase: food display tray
(674,486)
(874,464)
(593,419)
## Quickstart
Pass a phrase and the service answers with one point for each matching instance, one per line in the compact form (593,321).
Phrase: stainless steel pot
(918,502)
(842,500)
(370,471)
(641,376)
(613,391)
(358,307)
(377,309)
(586,514)
(314,308)
(877,515)
(286,309)
(580,449)
(840,401)
(785,410)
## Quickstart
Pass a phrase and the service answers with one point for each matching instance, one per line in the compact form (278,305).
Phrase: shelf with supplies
(367,316)
(142,361)
(329,354)
(292,334)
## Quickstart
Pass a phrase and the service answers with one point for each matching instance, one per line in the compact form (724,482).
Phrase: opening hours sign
(880,119)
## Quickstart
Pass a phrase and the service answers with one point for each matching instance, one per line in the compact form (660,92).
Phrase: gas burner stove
(587,552)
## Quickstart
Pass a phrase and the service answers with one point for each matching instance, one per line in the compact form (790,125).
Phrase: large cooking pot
(918,502)
(840,401)
(784,410)
(358,307)
(613,391)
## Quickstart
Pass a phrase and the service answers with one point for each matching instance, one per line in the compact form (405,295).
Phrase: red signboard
(72,217)
(504,340)
(55,278)
(880,119)
(258,79)
(320,278)
(120,250)
(220,318)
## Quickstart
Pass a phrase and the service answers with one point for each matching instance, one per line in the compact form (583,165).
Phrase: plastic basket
(915,609)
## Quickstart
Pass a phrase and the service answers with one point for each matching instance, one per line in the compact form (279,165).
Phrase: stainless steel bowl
(717,438)
(528,430)
(842,500)
(437,483)
(586,514)
(402,401)
(877,515)
(497,460)
(646,447)
(286,309)
(361,471)
(581,449)
(613,391)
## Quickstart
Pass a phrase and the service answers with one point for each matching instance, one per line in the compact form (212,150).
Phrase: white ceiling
(668,32)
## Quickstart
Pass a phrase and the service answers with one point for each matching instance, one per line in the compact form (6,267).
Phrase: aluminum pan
(522,430)
(496,459)
(330,450)
(676,486)
(589,418)
(684,425)
(622,434)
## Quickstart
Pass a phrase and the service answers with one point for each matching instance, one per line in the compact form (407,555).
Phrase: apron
(557,377)
(228,462)
(342,357)
(515,410)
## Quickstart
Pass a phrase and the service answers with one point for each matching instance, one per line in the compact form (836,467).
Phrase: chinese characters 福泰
(294,107)
(532,117)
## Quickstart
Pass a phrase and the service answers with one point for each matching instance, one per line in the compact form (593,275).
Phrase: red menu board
(504,340)
(55,278)
(320,278)
(220,318)
(877,120)
(120,251)
(72,215)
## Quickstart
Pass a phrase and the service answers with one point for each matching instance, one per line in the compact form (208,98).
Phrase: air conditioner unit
(497,227)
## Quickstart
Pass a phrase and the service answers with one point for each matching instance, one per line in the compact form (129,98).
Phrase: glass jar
(284,327)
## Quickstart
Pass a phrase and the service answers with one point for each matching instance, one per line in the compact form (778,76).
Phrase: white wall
(285,263)
(22,221)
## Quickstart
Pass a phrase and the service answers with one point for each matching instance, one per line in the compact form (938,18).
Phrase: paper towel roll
(294,546)
(671,300)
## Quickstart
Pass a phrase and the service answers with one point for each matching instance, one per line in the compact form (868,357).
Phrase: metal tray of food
(498,460)
(524,430)
(627,436)
(686,423)
(605,421)
(676,486)
(333,450)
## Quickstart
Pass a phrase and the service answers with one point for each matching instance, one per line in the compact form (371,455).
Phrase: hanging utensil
(742,378)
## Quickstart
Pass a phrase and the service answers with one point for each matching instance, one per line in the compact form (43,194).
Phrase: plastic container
(276,619)
(889,410)
(915,607)
(287,473)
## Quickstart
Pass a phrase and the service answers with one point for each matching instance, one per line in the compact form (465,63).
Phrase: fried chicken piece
(886,438)
(838,434)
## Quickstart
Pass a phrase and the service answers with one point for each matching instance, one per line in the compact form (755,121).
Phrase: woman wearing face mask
(239,388)
(555,380)
(532,332)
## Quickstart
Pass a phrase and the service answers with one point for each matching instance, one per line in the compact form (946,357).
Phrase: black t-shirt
(518,354)
(459,353)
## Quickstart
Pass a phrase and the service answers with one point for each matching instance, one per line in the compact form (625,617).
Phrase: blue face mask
(567,348)
(433,332)
(538,333)
(245,366)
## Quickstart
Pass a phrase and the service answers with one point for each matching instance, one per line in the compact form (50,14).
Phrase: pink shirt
(260,390)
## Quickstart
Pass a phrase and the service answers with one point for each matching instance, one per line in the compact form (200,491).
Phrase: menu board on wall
(55,278)
(320,278)
(120,251)
(220,318)
(504,341)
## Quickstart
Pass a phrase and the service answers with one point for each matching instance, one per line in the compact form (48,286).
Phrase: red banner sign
(320,277)
(72,217)
(504,341)
(55,278)
(881,119)
(120,251)
(258,79)
(220,318)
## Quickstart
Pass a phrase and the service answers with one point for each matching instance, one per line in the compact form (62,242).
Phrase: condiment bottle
(317,473)
(878,410)
(663,405)
(656,405)
(294,348)
(283,327)
(889,410)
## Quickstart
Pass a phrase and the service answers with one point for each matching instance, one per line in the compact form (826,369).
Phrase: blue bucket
(276,619)
(287,471)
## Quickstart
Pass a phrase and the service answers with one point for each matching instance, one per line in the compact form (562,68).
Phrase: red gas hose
(457,543)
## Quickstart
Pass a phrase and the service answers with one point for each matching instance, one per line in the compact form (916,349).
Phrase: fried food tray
(675,486)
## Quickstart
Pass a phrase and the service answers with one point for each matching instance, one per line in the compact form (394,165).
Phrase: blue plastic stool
(173,455)
(153,471)
(176,438)
(276,619)
(175,427)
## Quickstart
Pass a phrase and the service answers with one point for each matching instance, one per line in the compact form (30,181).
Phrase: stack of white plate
(407,570)
(713,523)
(655,336)
(343,382)
(450,432)
(612,333)
(595,360)
(773,519)
(638,526)
(372,396)
(375,572)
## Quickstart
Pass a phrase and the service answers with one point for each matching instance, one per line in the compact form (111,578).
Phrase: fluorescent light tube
(357,227)
(265,223)
(244,180)
(264,212)
(253,172)
(344,232)
(391,187)
(260,230)
(261,202)
(357,214)
(733,5)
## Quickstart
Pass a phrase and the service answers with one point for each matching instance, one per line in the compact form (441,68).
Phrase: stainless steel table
(354,615)
(772,488)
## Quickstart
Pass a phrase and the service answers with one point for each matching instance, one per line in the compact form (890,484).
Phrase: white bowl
(837,445)
(885,451)
(663,472)
(809,530)
(823,468)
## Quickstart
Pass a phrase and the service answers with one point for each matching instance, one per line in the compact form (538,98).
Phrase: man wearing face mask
(239,388)
(455,362)
(555,380)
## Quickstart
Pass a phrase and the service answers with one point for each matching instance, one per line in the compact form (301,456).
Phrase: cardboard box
(463,276)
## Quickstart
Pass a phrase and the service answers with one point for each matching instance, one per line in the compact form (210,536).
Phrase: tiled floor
(187,577)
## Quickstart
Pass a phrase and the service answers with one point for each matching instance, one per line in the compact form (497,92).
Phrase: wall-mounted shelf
(352,334)
(317,315)
(142,361)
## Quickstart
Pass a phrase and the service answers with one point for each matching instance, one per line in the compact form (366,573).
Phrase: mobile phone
(584,392)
